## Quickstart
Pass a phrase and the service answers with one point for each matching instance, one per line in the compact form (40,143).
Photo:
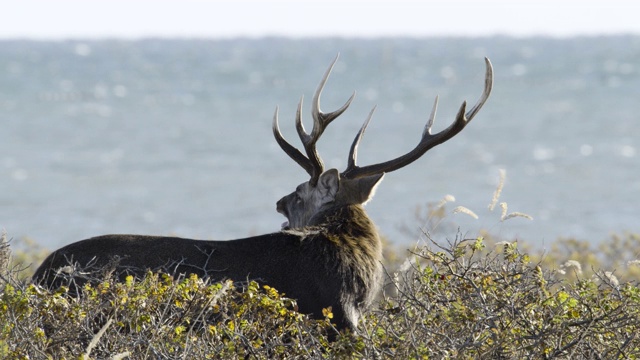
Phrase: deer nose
(280,206)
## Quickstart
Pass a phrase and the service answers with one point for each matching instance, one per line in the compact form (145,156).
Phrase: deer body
(319,266)
(328,254)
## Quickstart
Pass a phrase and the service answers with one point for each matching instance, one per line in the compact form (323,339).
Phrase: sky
(134,19)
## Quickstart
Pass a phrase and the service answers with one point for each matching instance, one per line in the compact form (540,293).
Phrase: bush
(156,317)
(464,300)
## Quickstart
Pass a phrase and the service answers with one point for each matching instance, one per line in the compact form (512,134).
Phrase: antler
(312,163)
(428,140)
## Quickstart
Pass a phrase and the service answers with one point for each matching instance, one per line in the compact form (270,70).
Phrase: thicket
(459,299)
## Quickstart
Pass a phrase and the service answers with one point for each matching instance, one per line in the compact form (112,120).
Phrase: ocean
(173,137)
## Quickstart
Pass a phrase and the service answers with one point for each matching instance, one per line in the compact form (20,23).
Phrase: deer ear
(367,187)
(329,184)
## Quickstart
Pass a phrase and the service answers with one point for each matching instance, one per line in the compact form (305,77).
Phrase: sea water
(173,137)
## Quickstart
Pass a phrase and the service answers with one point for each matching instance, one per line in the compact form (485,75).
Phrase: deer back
(335,264)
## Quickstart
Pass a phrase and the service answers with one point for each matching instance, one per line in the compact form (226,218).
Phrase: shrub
(466,299)
(156,317)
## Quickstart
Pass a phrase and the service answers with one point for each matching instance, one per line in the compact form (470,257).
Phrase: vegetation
(479,298)
(468,298)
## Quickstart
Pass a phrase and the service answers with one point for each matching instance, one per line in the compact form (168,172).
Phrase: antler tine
(289,149)
(312,163)
(488,85)
(321,119)
(320,122)
(309,144)
(428,140)
(432,118)
(353,152)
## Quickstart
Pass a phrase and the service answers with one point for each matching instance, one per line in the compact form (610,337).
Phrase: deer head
(356,184)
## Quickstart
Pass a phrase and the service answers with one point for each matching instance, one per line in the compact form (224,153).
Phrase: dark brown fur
(334,263)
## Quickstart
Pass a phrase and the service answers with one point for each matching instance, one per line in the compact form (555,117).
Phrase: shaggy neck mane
(346,220)
(353,232)
(358,245)
(353,217)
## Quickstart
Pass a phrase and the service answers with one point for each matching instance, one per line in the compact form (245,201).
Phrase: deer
(327,254)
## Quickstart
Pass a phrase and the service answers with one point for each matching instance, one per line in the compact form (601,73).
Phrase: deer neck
(337,216)
(351,229)
(355,239)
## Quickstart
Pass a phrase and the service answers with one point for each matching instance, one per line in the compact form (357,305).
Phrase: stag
(328,253)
